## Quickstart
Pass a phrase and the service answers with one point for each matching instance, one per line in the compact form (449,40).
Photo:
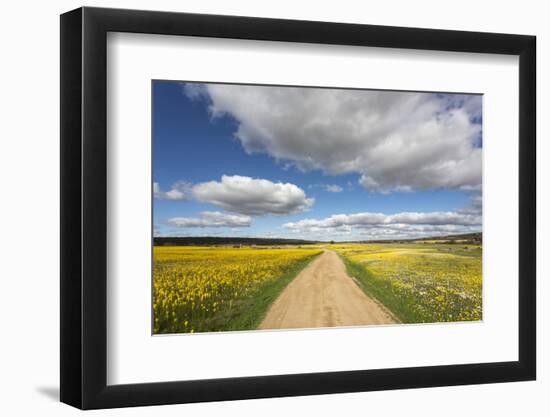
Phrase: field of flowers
(419,282)
(203,289)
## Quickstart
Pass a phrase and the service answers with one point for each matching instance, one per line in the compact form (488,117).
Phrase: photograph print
(284,207)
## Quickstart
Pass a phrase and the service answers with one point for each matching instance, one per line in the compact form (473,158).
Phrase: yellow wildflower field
(420,282)
(201,289)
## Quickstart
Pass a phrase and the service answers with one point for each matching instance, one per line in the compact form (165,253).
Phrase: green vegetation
(420,282)
(208,289)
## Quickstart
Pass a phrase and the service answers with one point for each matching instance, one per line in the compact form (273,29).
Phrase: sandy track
(323,295)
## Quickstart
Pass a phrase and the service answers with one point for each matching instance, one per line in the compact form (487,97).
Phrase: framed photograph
(257,208)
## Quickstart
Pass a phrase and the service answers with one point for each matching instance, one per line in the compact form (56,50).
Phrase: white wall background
(29,175)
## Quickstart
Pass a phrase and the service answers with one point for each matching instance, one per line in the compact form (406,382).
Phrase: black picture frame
(84,207)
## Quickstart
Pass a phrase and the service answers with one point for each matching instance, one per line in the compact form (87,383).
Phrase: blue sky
(232,160)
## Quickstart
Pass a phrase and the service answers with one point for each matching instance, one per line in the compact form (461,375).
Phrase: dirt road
(323,295)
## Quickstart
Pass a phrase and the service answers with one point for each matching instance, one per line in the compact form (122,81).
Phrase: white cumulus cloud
(379,225)
(212,219)
(333,188)
(401,141)
(435,218)
(252,196)
(179,191)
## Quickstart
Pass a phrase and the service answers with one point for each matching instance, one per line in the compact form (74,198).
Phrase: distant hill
(468,238)
(216,240)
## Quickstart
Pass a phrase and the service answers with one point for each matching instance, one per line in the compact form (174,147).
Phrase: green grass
(398,304)
(425,287)
(248,313)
